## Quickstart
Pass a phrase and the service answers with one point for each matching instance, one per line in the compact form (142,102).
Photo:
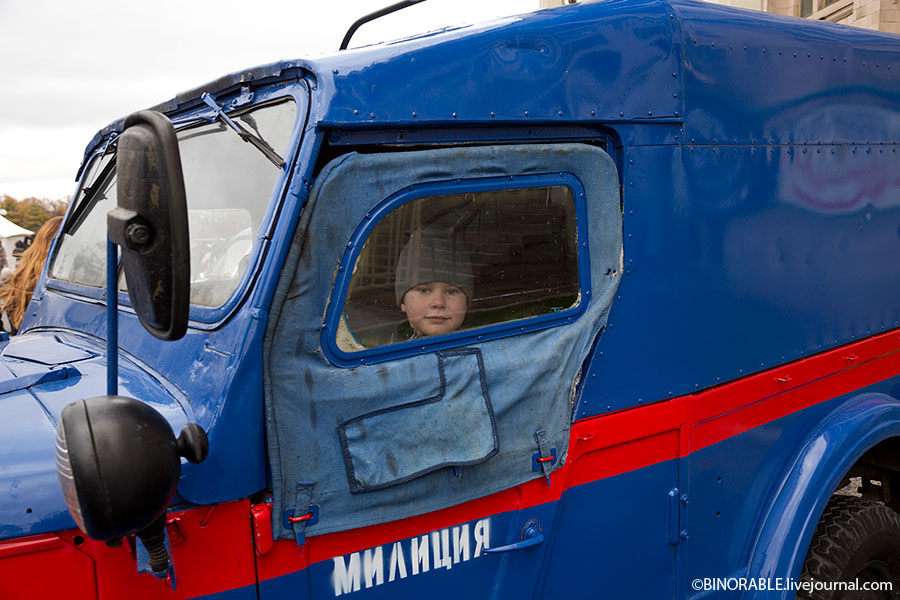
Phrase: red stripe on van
(630,439)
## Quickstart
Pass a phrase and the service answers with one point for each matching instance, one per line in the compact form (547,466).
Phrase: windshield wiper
(247,136)
(92,192)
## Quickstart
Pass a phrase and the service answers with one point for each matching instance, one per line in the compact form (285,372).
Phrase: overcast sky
(69,68)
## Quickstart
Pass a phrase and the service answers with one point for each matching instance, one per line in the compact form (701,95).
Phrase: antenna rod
(375,15)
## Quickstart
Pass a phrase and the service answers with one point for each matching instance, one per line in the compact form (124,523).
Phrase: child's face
(434,307)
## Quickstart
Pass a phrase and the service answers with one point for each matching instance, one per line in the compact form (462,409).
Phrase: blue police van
(600,300)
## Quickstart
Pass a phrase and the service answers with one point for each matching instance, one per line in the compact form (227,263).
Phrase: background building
(881,15)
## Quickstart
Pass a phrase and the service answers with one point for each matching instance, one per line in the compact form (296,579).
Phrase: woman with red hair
(15,292)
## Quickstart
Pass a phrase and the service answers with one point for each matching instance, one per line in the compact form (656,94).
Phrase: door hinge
(261,516)
(676,505)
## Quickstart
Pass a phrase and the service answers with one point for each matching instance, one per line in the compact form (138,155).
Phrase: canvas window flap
(400,438)
(453,429)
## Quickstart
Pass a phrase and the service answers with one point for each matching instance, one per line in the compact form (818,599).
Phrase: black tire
(856,540)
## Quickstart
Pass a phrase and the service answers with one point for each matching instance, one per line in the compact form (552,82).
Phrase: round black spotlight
(118,463)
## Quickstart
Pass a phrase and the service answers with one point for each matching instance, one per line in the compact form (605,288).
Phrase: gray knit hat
(433,255)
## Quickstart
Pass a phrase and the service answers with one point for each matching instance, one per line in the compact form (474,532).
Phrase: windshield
(228,184)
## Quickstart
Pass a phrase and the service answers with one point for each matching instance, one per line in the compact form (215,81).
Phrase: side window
(440,264)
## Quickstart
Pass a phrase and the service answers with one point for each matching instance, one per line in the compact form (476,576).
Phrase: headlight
(118,463)
(66,481)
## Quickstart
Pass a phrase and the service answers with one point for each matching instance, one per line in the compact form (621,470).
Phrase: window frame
(207,317)
(344,271)
(827,10)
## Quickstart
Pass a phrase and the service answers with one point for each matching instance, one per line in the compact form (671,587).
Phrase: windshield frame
(205,317)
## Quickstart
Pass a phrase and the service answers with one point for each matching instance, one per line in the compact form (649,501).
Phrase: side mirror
(150,223)
(118,464)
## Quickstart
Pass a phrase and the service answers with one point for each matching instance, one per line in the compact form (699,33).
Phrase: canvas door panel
(391,438)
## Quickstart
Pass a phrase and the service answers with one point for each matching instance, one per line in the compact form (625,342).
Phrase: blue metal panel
(243,593)
(293,585)
(448,575)
(612,535)
(753,77)
(32,502)
(737,258)
(756,497)
(218,373)
(730,484)
(46,350)
(561,65)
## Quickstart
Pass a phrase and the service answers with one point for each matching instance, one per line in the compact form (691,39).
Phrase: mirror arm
(112,320)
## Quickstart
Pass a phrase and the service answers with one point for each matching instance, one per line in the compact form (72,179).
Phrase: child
(433,284)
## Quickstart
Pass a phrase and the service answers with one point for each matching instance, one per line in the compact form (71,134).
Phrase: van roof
(633,61)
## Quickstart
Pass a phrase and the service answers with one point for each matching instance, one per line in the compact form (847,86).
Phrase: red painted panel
(613,460)
(45,566)
(211,548)
(806,391)
(32,543)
